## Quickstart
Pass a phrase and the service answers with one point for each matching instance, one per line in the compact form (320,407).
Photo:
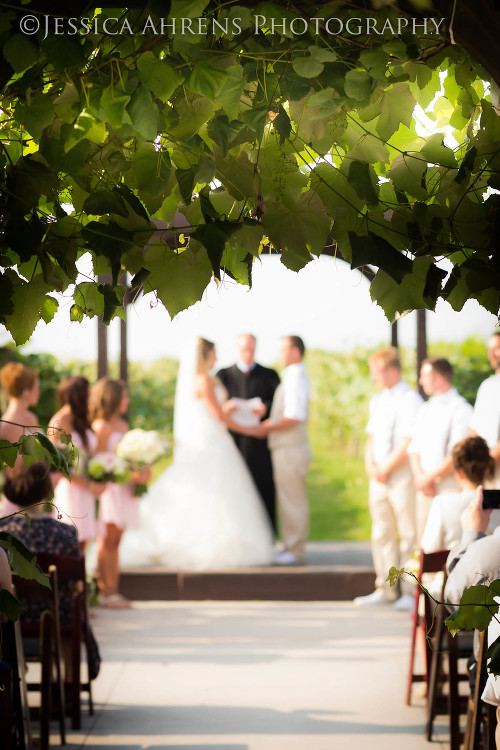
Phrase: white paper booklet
(244,414)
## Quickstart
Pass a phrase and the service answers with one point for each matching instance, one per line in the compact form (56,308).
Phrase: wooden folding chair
(480,714)
(14,709)
(71,572)
(452,650)
(432,562)
(45,647)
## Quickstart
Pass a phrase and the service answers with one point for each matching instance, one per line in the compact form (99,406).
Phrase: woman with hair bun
(27,490)
(76,499)
(23,389)
(118,507)
(473,465)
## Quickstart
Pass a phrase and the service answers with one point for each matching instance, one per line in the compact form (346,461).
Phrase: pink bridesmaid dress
(77,505)
(118,505)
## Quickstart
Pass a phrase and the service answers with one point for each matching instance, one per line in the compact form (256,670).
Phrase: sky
(326,303)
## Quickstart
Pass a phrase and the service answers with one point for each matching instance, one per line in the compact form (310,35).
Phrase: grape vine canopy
(259,137)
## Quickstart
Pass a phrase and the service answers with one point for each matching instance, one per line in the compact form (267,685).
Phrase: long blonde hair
(205,347)
(105,398)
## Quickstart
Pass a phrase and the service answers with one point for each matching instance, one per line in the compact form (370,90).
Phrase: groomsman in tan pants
(286,430)
(393,412)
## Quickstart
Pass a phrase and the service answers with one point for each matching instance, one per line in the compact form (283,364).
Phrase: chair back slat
(433,562)
(69,567)
(32,591)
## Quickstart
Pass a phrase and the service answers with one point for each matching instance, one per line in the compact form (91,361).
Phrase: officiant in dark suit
(247,379)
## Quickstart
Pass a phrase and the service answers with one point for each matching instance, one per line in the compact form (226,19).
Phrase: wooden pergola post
(102,339)
(394,334)
(421,344)
(102,349)
(123,349)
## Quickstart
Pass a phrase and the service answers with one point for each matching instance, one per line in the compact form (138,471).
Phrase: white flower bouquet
(107,467)
(141,449)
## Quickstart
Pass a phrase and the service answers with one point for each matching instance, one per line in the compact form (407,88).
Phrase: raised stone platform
(335,571)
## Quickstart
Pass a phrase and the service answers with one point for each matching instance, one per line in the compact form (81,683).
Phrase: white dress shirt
(443,529)
(393,413)
(296,392)
(441,423)
(486,418)
(244,368)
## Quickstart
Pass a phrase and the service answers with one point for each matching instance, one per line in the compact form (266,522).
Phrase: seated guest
(476,558)
(472,465)
(32,487)
(5,574)
(27,490)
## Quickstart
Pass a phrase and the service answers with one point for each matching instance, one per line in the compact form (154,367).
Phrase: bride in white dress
(203,512)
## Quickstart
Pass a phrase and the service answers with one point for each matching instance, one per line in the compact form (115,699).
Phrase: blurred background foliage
(341,389)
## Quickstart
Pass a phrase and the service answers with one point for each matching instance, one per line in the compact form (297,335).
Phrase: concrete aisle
(252,676)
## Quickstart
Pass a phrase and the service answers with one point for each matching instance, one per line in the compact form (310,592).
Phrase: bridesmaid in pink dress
(22,386)
(118,506)
(76,500)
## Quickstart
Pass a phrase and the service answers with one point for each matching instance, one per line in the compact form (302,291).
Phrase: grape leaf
(20,52)
(161,77)
(180,278)
(21,560)
(397,107)
(27,300)
(10,605)
(477,607)
(298,230)
(207,80)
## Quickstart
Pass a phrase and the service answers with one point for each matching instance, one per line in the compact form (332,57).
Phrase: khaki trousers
(448,484)
(392,509)
(497,730)
(290,465)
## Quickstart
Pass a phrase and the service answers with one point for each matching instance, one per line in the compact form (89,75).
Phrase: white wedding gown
(203,512)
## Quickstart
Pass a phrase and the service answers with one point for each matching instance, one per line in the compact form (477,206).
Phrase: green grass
(338,495)
(337,491)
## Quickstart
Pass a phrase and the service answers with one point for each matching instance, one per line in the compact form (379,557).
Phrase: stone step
(305,583)
(335,571)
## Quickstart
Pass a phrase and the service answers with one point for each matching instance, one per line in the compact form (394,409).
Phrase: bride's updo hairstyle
(74,391)
(204,349)
(105,398)
(471,457)
(17,378)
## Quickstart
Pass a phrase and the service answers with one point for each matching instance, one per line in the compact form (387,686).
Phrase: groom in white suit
(286,430)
